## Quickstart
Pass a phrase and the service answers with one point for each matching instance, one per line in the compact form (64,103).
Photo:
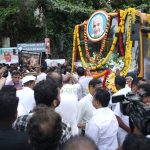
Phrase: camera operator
(135,142)
(145,90)
(143,114)
(123,120)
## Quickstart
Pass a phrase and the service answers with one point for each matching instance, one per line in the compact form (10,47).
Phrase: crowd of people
(48,108)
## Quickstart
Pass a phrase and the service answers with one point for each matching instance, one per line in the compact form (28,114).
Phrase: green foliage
(143,5)
(17,19)
(6,12)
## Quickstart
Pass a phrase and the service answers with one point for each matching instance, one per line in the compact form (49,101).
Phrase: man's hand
(81,125)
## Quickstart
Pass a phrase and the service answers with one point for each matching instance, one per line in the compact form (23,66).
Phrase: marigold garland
(128,54)
(148,20)
(130,14)
(74,48)
(127,59)
(104,60)
(98,75)
(79,48)
(105,78)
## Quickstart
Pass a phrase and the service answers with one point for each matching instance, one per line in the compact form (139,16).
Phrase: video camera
(132,105)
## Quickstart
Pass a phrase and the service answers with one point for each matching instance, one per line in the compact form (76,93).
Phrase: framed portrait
(30,58)
(8,55)
(96,26)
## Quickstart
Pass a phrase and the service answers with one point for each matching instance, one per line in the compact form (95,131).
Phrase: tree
(58,18)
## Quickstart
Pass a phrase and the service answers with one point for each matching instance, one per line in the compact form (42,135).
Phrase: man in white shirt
(85,107)
(103,126)
(42,75)
(122,90)
(69,96)
(26,96)
(69,105)
(83,80)
(123,120)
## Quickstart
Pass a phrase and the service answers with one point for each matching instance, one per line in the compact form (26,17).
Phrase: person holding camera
(123,120)
(140,113)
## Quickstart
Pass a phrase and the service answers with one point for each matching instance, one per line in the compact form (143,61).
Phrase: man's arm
(81,111)
(122,125)
(119,114)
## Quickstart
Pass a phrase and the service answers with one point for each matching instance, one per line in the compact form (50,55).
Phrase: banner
(47,45)
(54,62)
(9,55)
(40,47)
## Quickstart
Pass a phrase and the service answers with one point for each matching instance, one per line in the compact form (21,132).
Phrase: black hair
(80,142)
(80,71)
(135,81)
(55,76)
(141,79)
(132,74)
(14,73)
(145,87)
(103,96)
(136,142)
(45,92)
(9,89)
(8,105)
(94,82)
(5,74)
(43,69)
(120,81)
(45,129)
(43,66)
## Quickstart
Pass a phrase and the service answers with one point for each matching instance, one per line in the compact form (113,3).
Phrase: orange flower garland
(98,75)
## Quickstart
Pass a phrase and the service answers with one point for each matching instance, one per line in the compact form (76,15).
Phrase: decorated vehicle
(108,42)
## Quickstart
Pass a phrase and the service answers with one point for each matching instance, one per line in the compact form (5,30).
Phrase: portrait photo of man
(96,26)
(7,58)
(97,23)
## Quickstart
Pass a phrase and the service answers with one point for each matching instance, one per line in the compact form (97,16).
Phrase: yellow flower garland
(79,48)
(74,48)
(128,54)
(131,15)
(148,20)
(105,59)
(130,12)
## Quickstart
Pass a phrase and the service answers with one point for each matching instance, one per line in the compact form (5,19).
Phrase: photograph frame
(96,31)
(26,58)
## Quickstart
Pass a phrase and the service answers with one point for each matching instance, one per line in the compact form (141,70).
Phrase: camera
(132,105)
(125,101)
